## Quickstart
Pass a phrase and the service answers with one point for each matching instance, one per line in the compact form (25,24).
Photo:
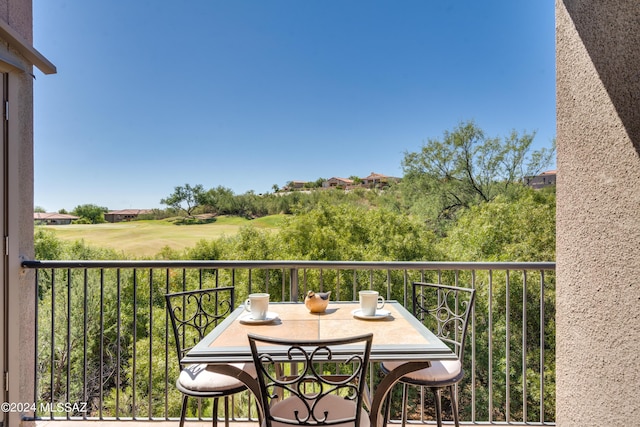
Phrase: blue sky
(152,94)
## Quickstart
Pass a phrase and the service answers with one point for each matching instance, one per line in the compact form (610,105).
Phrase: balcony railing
(104,351)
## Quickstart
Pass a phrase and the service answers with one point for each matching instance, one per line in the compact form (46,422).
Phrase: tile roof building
(53,218)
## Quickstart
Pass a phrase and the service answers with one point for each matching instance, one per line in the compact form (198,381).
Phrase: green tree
(517,228)
(219,200)
(185,198)
(315,184)
(47,246)
(349,231)
(93,214)
(465,168)
(78,357)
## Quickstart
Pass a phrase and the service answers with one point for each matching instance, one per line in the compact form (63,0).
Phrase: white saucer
(247,319)
(380,314)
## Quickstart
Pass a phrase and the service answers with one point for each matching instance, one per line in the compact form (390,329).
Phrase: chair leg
(367,397)
(387,408)
(405,399)
(453,392)
(214,412)
(259,413)
(438,394)
(183,412)
(226,411)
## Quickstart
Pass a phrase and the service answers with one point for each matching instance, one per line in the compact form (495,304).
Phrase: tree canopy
(93,214)
(185,198)
(465,167)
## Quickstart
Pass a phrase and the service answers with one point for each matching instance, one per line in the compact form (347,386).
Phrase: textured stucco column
(21,220)
(598,212)
(18,180)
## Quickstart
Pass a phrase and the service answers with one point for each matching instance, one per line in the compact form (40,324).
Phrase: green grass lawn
(147,238)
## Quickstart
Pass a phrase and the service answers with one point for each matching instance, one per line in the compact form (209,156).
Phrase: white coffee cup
(257,305)
(370,301)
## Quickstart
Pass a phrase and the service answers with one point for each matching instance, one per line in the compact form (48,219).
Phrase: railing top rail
(272,264)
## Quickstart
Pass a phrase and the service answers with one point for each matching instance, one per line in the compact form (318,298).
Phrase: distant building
(42,218)
(374,180)
(543,180)
(295,185)
(377,180)
(125,214)
(337,182)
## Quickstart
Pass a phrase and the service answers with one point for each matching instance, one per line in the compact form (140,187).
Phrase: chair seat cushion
(336,407)
(440,370)
(199,378)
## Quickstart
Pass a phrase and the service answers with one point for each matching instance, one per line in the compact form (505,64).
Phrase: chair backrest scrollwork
(312,383)
(445,310)
(194,314)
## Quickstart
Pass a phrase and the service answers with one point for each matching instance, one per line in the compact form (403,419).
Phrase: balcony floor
(60,423)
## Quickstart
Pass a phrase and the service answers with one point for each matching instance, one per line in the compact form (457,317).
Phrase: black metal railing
(104,351)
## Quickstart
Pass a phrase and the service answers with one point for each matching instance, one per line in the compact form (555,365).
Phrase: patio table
(400,336)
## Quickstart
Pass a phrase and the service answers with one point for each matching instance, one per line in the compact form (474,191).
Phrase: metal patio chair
(445,311)
(322,382)
(193,315)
